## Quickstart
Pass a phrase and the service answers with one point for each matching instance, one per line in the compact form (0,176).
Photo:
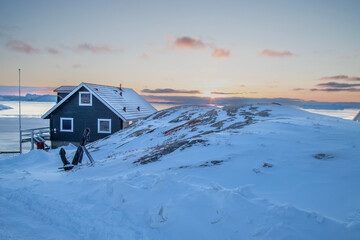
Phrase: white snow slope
(246,172)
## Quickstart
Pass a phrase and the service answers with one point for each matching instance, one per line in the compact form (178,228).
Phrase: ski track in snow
(192,172)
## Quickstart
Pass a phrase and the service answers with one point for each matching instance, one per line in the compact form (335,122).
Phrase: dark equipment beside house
(40,145)
(79,152)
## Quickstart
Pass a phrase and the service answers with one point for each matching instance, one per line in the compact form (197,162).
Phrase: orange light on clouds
(208,94)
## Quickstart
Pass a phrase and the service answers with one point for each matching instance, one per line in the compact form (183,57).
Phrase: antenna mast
(20,114)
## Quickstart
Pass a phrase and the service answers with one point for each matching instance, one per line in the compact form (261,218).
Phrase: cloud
(336,89)
(188,43)
(87,47)
(191,43)
(337,85)
(341,77)
(276,54)
(20,46)
(220,53)
(225,93)
(76,66)
(348,57)
(144,56)
(53,51)
(169,90)
(298,89)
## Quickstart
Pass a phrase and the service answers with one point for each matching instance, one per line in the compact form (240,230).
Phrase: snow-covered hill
(192,172)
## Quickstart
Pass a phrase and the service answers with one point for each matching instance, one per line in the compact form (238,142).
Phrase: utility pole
(20,114)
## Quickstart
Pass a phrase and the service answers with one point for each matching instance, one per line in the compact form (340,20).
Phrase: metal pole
(20,113)
(32,139)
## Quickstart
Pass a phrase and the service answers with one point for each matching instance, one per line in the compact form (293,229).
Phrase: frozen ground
(247,172)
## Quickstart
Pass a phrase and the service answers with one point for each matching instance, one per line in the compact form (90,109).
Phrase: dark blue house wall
(60,96)
(83,117)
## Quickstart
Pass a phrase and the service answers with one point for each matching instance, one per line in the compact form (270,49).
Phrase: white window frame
(85,104)
(66,130)
(104,120)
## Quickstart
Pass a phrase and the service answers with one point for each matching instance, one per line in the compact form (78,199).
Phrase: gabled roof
(128,105)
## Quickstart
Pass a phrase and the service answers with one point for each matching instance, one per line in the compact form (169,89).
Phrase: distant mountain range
(3,107)
(29,97)
(222,101)
(188,100)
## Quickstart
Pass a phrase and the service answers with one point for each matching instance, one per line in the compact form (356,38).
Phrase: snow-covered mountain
(192,172)
(3,107)
(29,97)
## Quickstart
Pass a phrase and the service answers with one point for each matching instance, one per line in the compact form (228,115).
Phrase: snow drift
(192,172)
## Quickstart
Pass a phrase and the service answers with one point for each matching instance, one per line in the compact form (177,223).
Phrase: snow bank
(245,172)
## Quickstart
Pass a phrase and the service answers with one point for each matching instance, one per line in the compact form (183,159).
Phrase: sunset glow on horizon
(253,49)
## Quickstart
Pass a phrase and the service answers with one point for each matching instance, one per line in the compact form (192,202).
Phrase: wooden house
(103,109)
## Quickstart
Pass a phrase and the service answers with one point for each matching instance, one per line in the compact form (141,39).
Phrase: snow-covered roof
(64,89)
(357,117)
(125,103)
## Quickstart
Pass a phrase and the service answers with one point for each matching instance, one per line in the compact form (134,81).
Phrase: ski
(77,159)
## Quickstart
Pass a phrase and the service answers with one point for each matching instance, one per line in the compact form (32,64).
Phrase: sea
(31,113)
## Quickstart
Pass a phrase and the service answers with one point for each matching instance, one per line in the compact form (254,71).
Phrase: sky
(254,49)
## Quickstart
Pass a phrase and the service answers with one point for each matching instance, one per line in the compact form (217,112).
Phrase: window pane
(85,98)
(104,126)
(66,124)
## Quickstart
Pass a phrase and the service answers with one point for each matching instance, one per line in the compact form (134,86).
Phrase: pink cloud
(188,43)
(220,53)
(298,89)
(53,51)
(341,77)
(226,93)
(144,56)
(76,66)
(276,54)
(21,46)
(87,47)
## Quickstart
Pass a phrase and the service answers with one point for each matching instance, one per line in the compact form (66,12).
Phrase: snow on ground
(192,172)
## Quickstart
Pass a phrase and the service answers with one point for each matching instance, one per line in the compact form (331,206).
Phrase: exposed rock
(323,156)
(211,163)
(264,113)
(268,165)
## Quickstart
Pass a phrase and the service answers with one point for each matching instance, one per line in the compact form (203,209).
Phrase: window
(85,99)
(104,125)
(66,124)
